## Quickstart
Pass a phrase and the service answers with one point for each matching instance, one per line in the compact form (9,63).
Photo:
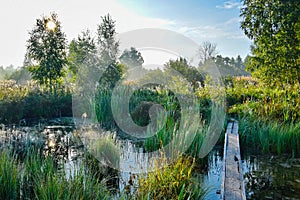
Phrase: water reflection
(212,179)
(269,177)
(266,177)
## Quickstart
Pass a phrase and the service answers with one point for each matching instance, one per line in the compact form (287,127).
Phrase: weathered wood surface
(232,176)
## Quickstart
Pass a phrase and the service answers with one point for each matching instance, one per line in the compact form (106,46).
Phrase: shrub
(26,102)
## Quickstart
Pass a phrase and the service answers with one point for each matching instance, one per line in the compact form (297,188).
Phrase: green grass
(106,149)
(9,177)
(172,181)
(37,177)
(270,137)
(245,98)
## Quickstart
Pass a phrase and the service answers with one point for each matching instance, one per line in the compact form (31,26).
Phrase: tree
(108,46)
(230,66)
(207,50)
(46,52)
(80,50)
(20,75)
(239,63)
(191,74)
(6,72)
(108,51)
(133,62)
(132,58)
(271,24)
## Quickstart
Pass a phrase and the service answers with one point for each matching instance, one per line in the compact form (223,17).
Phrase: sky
(216,21)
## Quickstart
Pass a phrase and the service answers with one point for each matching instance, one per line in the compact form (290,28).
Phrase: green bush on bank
(246,97)
(19,102)
(268,117)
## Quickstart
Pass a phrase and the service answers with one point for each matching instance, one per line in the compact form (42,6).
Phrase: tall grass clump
(268,116)
(270,137)
(80,186)
(36,172)
(9,176)
(103,108)
(139,103)
(43,180)
(103,156)
(106,149)
(87,186)
(172,181)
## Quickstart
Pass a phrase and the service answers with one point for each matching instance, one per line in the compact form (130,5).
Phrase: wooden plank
(232,176)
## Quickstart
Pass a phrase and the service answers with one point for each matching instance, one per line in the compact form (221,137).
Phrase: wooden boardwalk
(232,176)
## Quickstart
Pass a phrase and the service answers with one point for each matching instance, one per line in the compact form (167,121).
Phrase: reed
(106,149)
(270,137)
(9,176)
(172,181)
(43,180)
(87,186)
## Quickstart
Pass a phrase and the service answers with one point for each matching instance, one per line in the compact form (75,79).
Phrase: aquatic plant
(270,137)
(106,149)
(9,176)
(170,181)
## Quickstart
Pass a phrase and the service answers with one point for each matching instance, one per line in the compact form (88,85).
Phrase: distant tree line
(51,61)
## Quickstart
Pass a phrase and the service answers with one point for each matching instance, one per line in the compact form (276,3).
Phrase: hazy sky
(201,20)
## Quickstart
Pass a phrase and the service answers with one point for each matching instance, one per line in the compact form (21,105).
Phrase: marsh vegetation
(76,123)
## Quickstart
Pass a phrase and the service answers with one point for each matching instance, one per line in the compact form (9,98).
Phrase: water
(269,177)
(266,177)
(213,177)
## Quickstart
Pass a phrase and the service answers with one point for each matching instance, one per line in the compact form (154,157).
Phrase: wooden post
(232,176)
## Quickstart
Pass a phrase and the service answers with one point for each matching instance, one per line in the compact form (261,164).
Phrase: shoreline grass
(270,137)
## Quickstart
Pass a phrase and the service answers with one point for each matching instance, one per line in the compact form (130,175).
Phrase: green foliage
(80,50)
(20,75)
(6,72)
(46,52)
(270,137)
(230,66)
(106,149)
(247,97)
(172,181)
(272,27)
(27,102)
(9,177)
(103,108)
(132,58)
(108,50)
(268,118)
(139,114)
(111,75)
(39,178)
(106,34)
(190,73)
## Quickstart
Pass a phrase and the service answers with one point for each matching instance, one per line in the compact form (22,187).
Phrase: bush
(26,102)
(282,105)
